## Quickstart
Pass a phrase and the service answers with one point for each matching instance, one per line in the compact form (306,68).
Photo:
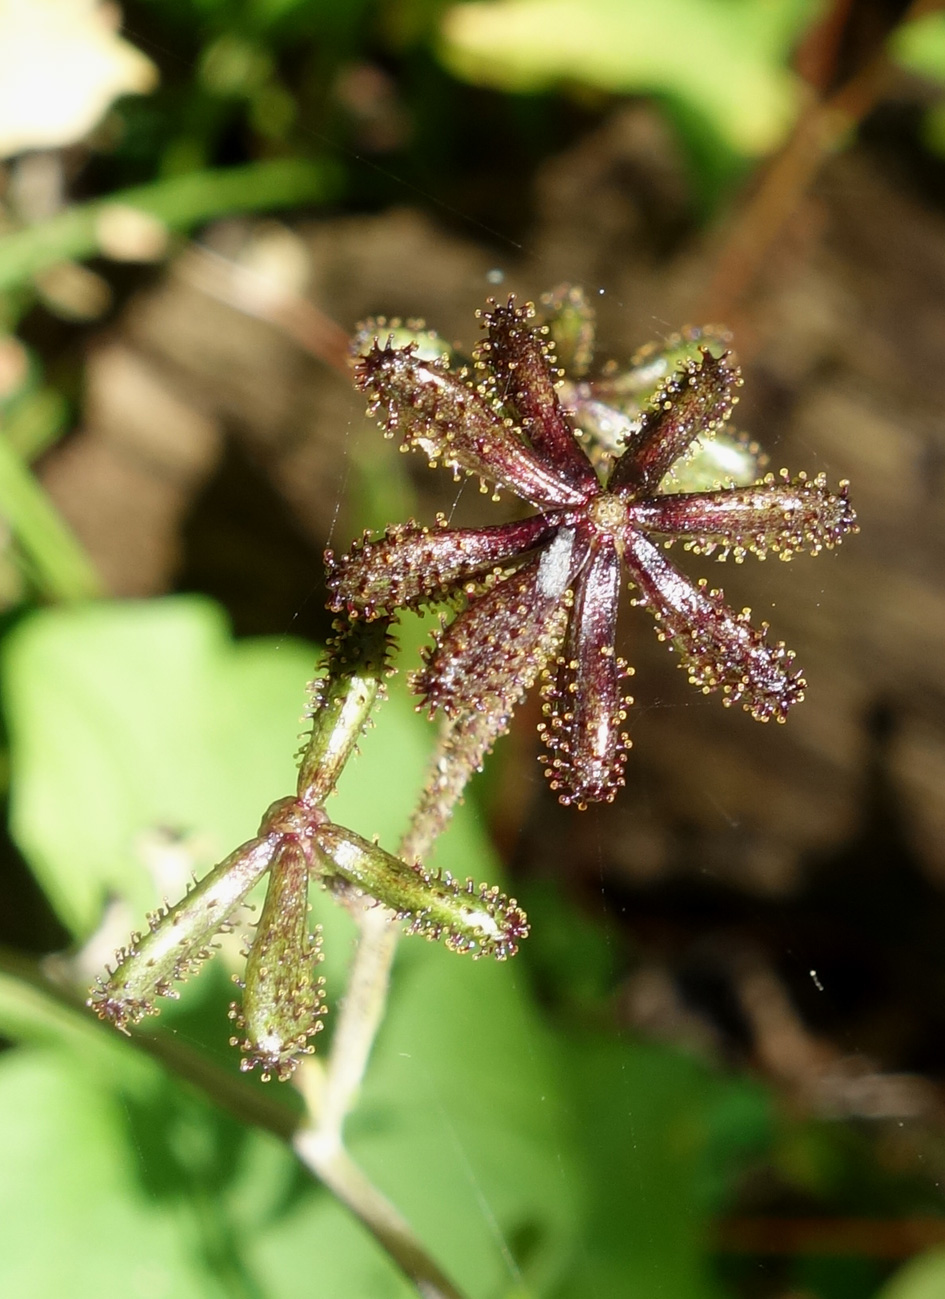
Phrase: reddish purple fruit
(541,594)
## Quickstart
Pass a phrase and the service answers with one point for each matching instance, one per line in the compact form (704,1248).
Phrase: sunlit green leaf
(78,1218)
(920,45)
(922,1278)
(728,62)
(131,720)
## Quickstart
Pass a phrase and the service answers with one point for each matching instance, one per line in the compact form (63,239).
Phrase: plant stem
(462,744)
(343,701)
(62,569)
(825,120)
(178,202)
(38,1000)
(334,1167)
(359,1018)
(331,1093)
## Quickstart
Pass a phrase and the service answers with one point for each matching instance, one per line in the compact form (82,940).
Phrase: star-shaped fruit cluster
(606,470)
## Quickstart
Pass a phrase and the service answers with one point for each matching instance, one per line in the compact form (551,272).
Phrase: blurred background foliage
(715,1070)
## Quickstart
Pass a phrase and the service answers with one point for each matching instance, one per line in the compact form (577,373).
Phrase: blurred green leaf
(35,421)
(921,1278)
(645,1115)
(727,62)
(75,1221)
(126,1183)
(575,958)
(135,717)
(462,1095)
(920,46)
(837,1277)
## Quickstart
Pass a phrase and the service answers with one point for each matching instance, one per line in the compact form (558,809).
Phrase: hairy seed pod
(282,998)
(179,939)
(478,920)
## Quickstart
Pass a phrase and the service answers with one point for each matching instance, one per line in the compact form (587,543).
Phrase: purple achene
(542,593)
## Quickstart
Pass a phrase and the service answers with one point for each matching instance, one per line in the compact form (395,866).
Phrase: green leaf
(76,1218)
(127,719)
(727,62)
(127,1184)
(646,1118)
(921,1278)
(461,1123)
(920,46)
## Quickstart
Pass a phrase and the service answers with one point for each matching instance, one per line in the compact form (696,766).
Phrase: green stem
(178,202)
(343,703)
(338,1171)
(38,1000)
(332,1093)
(63,569)
(462,744)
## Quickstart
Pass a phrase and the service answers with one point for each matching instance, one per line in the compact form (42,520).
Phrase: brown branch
(257,295)
(821,128)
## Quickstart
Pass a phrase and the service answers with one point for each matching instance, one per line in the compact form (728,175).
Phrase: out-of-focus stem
(62,569)
(462,745)
(178,202)
(821,127)
(332,1092)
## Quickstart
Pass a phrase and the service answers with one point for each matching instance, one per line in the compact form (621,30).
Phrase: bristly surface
(541,594)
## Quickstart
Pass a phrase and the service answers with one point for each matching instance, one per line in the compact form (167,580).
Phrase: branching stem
(335,1168)
(331,1091)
